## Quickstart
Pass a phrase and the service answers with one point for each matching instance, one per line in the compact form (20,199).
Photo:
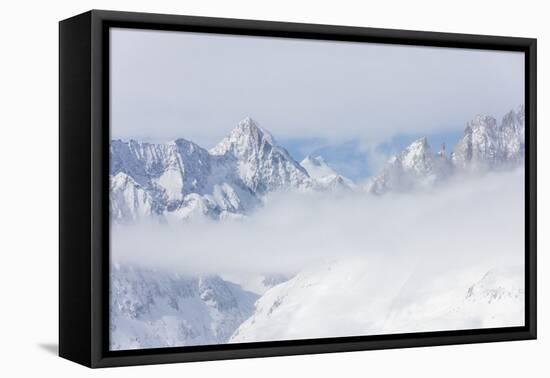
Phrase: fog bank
(476,222)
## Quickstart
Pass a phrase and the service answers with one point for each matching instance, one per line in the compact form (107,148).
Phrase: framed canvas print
(234,188)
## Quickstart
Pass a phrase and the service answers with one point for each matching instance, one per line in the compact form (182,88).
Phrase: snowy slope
(159,309)
(128,199)
(327,300)
(317,167)
(349,297)
(324,177)
(495,300)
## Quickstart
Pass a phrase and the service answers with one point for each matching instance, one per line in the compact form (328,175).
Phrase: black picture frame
(84,188)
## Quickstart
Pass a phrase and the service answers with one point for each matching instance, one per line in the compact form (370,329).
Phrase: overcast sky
(167,85)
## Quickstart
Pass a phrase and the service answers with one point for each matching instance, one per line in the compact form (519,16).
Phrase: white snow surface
(128,199)
(317,167)
(354,297)
(151,309)
(324,177)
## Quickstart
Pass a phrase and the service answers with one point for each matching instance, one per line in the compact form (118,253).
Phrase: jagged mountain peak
(486,144)
(248,163)
(417,156)
(121,179)
(249,126)
(415,166)
(421,142)
(514,119)
(261,163)
(184,142)
(317,167)
(518,112)
(419,145)
(247,137)
(479,126)
(324,176)
(482,120)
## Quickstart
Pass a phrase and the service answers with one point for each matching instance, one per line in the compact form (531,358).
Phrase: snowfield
(353,297)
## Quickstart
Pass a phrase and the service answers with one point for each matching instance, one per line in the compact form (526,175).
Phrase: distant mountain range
(485,145)
(179,179)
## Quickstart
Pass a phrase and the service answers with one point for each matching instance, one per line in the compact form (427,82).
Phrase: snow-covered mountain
(485,145)
(256,283)
(151,309)
(416,166)
(312,304)
(179,179)
(495,300)
(174,178)
(261,164)
(323,176)
(129,200)
(488,145)
(317,167)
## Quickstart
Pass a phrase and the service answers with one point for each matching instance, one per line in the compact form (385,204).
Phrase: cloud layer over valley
(470,221)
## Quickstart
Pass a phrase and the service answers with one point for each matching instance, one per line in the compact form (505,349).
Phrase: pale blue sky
(356,161)
(347,100)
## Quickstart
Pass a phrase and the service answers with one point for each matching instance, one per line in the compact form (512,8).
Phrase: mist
(469,222)
(166,85)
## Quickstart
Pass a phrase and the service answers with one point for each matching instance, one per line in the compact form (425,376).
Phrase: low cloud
(469,222)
